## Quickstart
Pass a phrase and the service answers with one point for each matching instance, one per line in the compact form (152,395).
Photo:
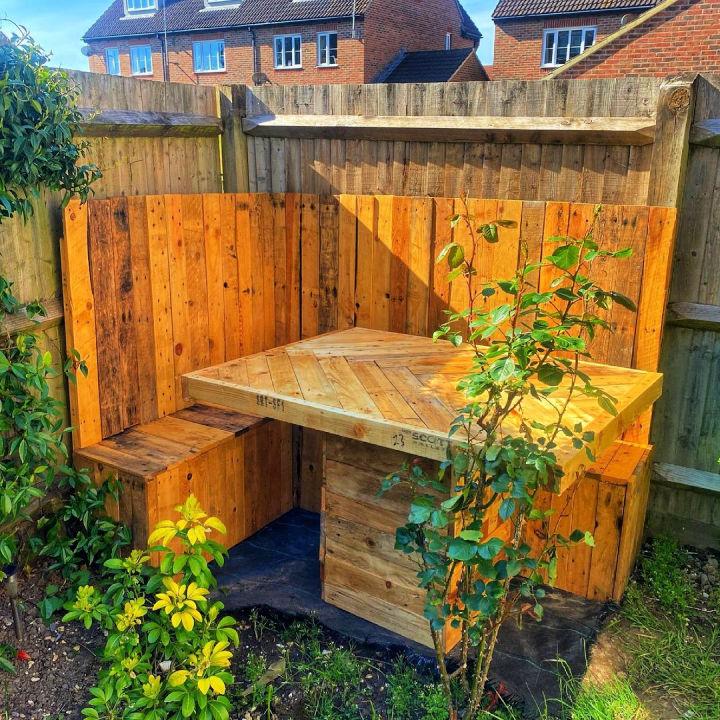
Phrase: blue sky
(58,25)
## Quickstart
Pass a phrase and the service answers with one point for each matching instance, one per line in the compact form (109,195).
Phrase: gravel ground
(61,665)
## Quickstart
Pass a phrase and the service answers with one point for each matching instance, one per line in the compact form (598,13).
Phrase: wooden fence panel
(570,172)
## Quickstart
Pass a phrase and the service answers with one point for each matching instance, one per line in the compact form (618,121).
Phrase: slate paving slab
(278,568)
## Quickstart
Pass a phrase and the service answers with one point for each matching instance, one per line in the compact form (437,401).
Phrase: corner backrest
(158,286)
(161,285)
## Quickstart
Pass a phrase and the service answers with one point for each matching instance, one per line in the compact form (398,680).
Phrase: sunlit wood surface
(400,391)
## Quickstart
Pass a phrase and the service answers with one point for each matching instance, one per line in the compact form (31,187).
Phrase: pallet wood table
(382,397)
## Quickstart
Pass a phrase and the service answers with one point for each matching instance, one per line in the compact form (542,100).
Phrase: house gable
(682,37)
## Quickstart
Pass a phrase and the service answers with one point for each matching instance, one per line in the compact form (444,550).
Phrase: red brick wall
(394,25)
(518,43)
(239,60)
(97,59)
(683,38)
(471,69)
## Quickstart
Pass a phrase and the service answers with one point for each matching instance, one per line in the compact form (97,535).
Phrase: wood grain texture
(483,167)
(332,397)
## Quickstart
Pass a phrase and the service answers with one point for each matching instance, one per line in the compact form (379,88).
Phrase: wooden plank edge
(544,130)
(22,323)
(706,133)
(136,123)
(686,478)
(694,315)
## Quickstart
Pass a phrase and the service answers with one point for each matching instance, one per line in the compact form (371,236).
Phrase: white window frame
(147,7)
(284,39)
(132,64)
(116,52)
(324,62)
(448,41)
(584,29)
(199,45)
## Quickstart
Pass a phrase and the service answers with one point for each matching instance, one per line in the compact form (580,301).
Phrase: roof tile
(428,66)
(534,8)
(184,15)
(187,15)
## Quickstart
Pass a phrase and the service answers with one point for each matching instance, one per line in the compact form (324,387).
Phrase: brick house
(278,41)
(535,37)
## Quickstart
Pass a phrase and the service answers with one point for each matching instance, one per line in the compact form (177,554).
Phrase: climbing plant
(525,340)
(38,119)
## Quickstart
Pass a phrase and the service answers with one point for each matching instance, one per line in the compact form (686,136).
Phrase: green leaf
(607,404)
(421,509)
(623,300)
(456,256)
(551,375)
(507,508)
(565,256)
(489,549)
(462,550)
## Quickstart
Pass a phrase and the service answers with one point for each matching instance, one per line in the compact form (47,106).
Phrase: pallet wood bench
(142,305)
(383,399)
(159,286)
(203,450)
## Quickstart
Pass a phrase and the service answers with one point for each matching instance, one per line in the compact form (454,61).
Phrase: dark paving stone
(278,568)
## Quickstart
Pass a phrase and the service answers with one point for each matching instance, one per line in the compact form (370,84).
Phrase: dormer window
(140,7)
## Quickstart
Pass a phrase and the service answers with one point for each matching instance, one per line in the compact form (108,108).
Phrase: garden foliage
(168,649)
(526,340)
(38,119)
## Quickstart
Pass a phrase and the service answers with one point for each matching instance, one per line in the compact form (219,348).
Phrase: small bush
(332,682)
(167,654)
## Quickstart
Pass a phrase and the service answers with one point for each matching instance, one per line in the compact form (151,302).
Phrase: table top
(399,391)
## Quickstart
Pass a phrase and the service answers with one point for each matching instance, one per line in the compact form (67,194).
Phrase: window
(559,46)
(327,49)
(288,51)
(112,61)
(140,6)
(448,41)
(141,60)
(209,56)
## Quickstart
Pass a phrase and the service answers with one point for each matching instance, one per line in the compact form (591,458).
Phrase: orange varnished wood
(352,383)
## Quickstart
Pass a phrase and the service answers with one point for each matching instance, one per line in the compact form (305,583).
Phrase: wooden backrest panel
(157,286)
(162,285)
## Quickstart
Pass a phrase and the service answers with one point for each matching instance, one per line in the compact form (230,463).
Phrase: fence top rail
(446,128)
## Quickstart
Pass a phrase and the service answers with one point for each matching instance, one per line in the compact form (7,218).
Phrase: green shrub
(38,119)
(403,691)
(79,537)
(167,654)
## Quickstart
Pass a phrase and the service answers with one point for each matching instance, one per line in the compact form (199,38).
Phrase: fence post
(676,105)
(233,142)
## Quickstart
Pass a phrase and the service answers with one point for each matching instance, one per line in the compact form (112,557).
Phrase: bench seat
(211,452)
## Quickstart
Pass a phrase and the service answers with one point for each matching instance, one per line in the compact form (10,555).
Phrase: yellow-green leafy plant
(524,344)
(168,652)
